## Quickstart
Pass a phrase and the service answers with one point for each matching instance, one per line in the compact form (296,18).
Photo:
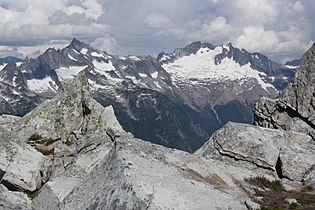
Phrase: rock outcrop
(21,167)
(49,151)
(286,154)
(294,109)
(141,175)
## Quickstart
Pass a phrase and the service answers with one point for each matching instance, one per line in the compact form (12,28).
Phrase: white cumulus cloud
(157,20)
(283,27)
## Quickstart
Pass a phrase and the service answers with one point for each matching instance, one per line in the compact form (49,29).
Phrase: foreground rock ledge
(288,154)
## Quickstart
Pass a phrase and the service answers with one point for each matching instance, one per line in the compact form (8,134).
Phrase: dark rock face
(295,62)
(295,107)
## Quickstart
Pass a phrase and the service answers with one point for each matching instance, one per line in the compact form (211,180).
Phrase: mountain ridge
(144,92)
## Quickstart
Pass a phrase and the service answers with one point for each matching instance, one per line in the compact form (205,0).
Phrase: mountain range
(177,99)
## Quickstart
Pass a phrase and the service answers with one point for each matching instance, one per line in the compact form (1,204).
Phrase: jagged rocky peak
(209,85)
(80,46)
(77,44)
(294,108)
(195,46)
(71,113)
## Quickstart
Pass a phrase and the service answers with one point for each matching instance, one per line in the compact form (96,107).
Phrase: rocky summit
(70,152)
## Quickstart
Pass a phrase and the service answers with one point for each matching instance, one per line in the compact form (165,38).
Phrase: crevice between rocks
(11,187)
(279,169)
(15,188)
(1,175)
(294,113)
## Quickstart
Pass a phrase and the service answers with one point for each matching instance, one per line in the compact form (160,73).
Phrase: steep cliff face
(294,109)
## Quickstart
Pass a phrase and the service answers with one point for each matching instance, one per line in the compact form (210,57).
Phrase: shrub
(263,182)
(274,196)
(35,137)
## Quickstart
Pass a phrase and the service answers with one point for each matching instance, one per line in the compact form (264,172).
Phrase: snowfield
(202,66)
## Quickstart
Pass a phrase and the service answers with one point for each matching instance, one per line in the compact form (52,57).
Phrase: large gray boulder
(22,168)
(13,200)
(287,154)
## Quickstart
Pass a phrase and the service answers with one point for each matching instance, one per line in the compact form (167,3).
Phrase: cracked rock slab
(262,147)
(141,175)
(23,167)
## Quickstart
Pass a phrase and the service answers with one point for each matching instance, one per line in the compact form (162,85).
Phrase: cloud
(215,30)
(257,38)
(92,8)
(106,43)
(36,22)
(10,51)
(157,20)
(283,27)
(269,41)
(255,12)
(30,51)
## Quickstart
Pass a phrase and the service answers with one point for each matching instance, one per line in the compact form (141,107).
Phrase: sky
(281,29)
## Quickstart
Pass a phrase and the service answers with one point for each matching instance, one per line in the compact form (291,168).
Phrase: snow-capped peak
(203,66)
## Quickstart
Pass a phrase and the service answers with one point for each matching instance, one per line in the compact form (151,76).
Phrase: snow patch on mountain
(18,64)
(65,73)
(142,75)
(95,54)
(8,99)
(72,58)
(165,58)
(100,67)
(95,85)
(290,67)
(40,85)
(155,75)
(2,66)
(84,51)
(201,65)
(14,80)
(157,85)
(134,58)
(134,80)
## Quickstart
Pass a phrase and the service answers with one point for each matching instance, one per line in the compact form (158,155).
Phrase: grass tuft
(273,195)
(264,183)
